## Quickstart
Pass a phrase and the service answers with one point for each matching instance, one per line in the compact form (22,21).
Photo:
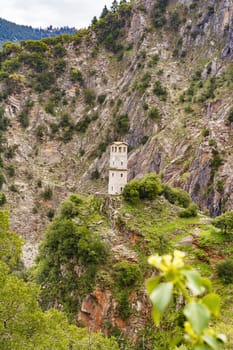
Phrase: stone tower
(118,167)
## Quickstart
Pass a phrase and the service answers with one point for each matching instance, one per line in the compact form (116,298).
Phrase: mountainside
(156,74)
(10,31)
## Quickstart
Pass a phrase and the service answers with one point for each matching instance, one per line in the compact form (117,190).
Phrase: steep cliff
(156,74)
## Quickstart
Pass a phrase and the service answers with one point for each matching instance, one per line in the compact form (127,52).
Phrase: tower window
(120,149)
(112,174)
(112,149)
(122,163)
(115,149)
(121,175)
(121,189)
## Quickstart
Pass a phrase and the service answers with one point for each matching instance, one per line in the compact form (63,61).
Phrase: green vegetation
(225,271)
(154,113)
(160,90)
(22,321)
(122,124)
(224,222)
(201,304)
(158,13)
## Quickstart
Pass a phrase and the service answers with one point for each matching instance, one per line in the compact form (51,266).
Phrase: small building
(117,167)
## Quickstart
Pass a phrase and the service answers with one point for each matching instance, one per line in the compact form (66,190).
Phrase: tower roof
(119,143)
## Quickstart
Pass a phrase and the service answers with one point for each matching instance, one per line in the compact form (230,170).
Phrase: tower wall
(118,168)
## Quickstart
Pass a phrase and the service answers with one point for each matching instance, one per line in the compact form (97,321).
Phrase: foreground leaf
(198,316)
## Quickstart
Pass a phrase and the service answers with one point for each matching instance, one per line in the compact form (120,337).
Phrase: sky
(58,13)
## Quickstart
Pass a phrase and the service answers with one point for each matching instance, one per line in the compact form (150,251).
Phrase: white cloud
(42,13)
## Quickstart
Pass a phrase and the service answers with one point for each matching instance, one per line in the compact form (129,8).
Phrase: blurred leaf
(160,297)
(198,315)
(212,301)
(152,283)
(194,282)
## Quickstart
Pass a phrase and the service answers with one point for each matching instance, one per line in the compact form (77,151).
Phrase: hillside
(10,31)
(156,74)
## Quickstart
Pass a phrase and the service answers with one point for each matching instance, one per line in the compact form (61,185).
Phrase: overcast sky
(42,13)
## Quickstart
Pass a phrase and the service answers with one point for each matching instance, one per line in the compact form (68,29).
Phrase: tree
(104,12)
(150,186)
(224,222)
(114,6)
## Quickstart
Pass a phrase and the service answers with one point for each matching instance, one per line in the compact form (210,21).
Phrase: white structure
(118,167)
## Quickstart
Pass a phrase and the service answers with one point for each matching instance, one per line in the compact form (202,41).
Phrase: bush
(89,96)
(101,98)
(47,193)
(189,212)
(2,180)
(150,186)
(131,191)
(225,271)
(176,196)
(122,124)
(154,113)
(76,75)
(127,275)
(160,90)
(2,199)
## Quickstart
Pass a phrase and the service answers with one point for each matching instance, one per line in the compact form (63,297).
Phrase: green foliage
(122,124)
(82,125)
(76,76)
(127,275)
(47,193)
(34,60)
(190,211)
(35,46)
(2,179)
(158,13)
(10,243)
(59,66)
(154,113)
(45,80)
(89,96)
(230,117)
(49,107)
(101,98)
(160,90)
(224,222)
(201,303)
(144,82)
(2,199)
(69,247)
(225,271)
(4,121)
(175,20)
(131,191)
(59,50)
(150,186)
(176,196)
(110,27)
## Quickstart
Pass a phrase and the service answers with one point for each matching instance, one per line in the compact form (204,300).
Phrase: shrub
(24,119)
(101,98)
(176,196)
(2,180)
(82,125)
(122,124)
(189,212)
(230,117)
(2,199)
(131,191)
(69,209)
(225,271)
(76,75)
(89,96)
(160,90)
(150,186)
(10,170)
(154,113)
(224,222)
(59,66)
(127,275)
(47,193)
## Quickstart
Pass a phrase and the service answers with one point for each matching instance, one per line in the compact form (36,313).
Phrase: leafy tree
(225,222)
(176,196)
(131,191)
(225,271)
(104,12)
(201,304)
(190,211)
(150,186)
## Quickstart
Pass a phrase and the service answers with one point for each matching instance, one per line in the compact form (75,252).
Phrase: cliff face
(166,89)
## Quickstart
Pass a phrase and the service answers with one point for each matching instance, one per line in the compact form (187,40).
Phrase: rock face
(188,140)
